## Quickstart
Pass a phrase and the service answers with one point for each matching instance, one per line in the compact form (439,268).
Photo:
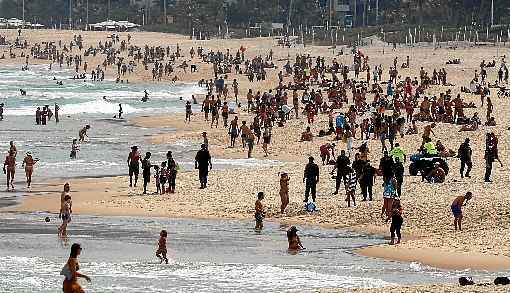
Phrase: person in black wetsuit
(203,164)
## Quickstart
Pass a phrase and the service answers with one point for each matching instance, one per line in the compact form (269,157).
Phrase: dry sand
(428,224)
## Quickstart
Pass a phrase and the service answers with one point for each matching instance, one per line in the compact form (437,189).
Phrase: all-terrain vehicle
(423,165)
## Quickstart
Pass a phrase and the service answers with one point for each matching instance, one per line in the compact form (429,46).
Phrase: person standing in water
(189,112)
(28,164)
(83,133)
(259,212)
(133,162)
(65,215)
(10,163)
(203,164)
(295,244)
(12,148)
(70,271)
(120,111)
(162,251)
(74,149)
(457,205)
(1,111)
(57,108)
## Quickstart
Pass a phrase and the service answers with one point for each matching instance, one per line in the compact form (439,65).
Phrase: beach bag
(501,281)
(466,281)
(310,207)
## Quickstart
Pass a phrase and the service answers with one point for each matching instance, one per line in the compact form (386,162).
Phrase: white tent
(112,25)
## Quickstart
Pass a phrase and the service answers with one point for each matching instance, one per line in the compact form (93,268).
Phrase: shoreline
(44,197)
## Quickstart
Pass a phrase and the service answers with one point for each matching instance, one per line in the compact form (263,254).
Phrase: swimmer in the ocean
(146,96)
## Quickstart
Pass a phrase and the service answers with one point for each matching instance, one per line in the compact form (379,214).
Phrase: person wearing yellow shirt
(398,154)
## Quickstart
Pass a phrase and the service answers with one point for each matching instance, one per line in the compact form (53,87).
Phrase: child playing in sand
(284,190)
(161,252)
(457,209)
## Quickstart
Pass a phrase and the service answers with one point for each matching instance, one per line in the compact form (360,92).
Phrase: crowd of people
(359,107)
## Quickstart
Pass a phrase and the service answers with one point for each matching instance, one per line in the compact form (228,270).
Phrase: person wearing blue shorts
(457,205)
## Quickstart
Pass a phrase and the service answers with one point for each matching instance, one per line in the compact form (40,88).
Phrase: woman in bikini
(66,216)
(28,164)
(70,271)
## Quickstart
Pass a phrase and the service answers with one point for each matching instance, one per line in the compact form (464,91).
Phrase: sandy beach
(428,234)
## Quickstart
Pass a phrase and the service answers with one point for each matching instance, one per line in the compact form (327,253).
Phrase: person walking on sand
(203,164)
(162,251)
(259,212)
(464,154)
(457,205)
(396,222)
(133,162)
(295,244)
(10,169)
(28,164)
(350,187)
(341,166)
(70,272)
(284,190)
(311,178)
(389,195)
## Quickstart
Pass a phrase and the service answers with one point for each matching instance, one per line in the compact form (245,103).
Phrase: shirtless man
(83,133)
(457,205)
(10,162)
(133,161)
(28,164)
(244,133)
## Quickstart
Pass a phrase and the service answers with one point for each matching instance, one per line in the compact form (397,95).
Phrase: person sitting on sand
(307,135)
(457,205)
(70,271)
(259,212)
(437,174)
(295,244)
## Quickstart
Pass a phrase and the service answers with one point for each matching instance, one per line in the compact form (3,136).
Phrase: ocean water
(205,256)
(105,151)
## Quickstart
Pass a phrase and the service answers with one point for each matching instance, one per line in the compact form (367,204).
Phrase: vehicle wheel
(413,169)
